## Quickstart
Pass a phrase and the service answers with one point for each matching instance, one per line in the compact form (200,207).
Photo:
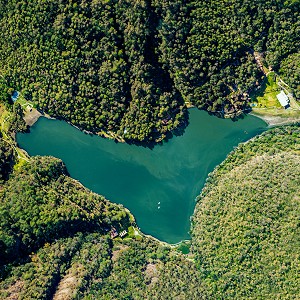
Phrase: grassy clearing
(131,232)
(277,112)
(267,106)
(24,102)
(265,97)
(277,116)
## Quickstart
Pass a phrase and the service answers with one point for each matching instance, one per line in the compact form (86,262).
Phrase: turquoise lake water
(158,186)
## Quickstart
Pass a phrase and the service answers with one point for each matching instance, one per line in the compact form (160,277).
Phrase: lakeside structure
(15,96)
(283,99)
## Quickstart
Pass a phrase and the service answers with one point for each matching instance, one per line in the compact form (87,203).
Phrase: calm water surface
(159,186)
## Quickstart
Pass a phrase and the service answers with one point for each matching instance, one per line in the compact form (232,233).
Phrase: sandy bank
(277,120)
(31,116)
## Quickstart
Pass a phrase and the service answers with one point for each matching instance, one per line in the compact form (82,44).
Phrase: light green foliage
(245,229)
(40,203)
(146,270)
(266,95)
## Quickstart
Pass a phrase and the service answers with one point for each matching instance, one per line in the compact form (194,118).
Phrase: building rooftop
(15,96)
(283,99)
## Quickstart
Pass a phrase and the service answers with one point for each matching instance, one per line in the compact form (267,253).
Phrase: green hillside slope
(131,67)
(55,243)
(40,203)
(245,234)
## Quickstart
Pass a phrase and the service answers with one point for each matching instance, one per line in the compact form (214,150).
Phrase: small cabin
(283,99)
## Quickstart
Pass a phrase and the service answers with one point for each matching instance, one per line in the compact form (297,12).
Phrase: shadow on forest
(18,252)
(234,118)
(260,91)
(178,131)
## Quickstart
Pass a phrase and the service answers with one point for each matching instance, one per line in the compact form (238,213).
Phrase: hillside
(245,231)
(130,68)
(40,203)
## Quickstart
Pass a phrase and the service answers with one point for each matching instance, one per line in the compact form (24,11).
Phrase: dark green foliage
(290,72)
(147,270)
(283,38)
(6,159)
(92,267)
(5,91)
(47,214)
(47,267)
(65,267)
(129,66)
(246,224)
(17,122)
(40,203)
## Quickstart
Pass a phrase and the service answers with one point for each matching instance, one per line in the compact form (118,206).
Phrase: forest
(131,68)
(245,228)
(56,243)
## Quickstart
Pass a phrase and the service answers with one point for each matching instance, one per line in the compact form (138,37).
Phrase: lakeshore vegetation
(130,68)
(55,240)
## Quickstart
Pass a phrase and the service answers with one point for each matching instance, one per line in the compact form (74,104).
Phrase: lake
(158,185)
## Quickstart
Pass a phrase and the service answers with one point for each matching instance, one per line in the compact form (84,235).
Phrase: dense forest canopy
(40,203)
(6,159)
(246,234)
(130,67)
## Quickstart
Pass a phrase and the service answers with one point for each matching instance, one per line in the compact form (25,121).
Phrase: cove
(158,185)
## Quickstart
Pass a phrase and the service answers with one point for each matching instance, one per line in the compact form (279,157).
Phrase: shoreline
(273,120)
(172,245)
(134,225)
(33,115)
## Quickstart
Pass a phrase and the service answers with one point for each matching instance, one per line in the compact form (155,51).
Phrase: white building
(283,99)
